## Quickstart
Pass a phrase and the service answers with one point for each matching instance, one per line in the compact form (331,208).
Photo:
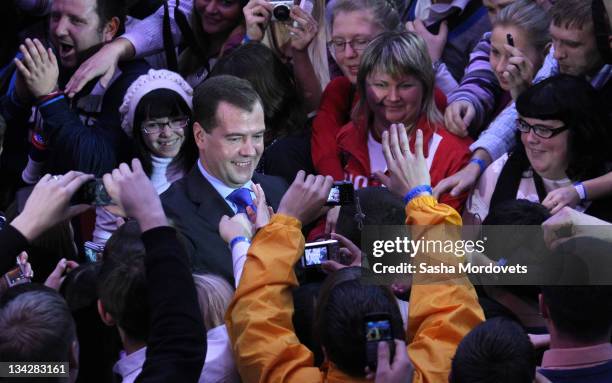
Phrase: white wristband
(580,190)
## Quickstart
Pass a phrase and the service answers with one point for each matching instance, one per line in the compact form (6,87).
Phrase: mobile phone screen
(377,329)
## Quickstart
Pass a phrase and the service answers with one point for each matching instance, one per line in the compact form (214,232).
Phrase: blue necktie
(241,198)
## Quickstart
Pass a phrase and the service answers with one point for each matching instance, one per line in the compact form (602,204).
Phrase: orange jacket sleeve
(440,314)
(259,318)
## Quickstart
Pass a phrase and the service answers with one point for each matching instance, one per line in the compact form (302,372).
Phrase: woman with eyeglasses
(352,25)
(156,114)
(564,140)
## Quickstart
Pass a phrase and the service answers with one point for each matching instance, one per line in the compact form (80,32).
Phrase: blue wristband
(245,40)
(235,241)
(415,191)
(481,164)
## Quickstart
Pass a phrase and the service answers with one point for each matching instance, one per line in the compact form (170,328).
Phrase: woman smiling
(563,141)
(396,86)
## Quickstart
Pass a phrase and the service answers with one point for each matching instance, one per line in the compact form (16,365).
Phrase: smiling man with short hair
(228,129)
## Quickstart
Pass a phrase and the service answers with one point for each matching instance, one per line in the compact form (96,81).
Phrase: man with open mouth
(80,133)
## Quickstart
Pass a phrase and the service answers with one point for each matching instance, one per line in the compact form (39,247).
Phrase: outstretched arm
(259,318)
(176,347)
(441,311)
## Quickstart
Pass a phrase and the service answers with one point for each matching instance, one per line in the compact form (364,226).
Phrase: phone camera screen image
(315,255)
(334,195)
(378,330)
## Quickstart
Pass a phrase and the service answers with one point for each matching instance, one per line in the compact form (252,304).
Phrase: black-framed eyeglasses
(339,45)
(156,127)
(539,130)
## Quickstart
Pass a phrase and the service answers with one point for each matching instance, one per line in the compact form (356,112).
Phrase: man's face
(74,27)
(576,49)
(232,149)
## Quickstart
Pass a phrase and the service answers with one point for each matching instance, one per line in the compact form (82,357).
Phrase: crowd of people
(163,164)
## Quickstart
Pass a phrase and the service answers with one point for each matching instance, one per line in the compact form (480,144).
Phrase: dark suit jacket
(195,208)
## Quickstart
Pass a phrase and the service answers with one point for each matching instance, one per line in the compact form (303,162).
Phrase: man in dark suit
(228,129)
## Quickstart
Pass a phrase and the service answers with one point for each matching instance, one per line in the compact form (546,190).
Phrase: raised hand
(38,68)
(407,169)
(257,14)
(306,197)
(305,30)
(348,250)
(398,370)
(519,72)
(134,193)
(435,43)
(237,226)
(458,117)
(103,63)
(49,203)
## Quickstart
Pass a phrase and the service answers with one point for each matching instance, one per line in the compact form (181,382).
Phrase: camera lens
(281,12)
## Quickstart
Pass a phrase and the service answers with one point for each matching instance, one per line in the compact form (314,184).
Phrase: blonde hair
(398,54)
(530,18)
(214,296)
(385,13)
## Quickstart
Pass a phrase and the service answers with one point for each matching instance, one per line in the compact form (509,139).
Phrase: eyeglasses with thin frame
(156,127)
(539,130)
(339,45)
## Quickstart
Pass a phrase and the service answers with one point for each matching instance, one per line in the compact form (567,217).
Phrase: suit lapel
(210,205)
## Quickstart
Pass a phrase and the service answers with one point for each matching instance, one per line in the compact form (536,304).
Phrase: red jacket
(450,154)
(337,102)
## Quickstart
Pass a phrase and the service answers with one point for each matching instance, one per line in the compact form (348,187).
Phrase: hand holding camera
(306,196)
(257,15)
(303,29)
(348,255)
(49,203)
(134,194)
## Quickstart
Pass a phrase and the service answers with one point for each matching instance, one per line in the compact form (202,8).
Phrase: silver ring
(56,178)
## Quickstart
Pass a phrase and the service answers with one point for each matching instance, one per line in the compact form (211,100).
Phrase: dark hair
(107,9)
(495,351)
(273,81)
(99,344)
(197,54)
(517,212)
(583,313)
(575,102)
(522,220)
(122,287)
(224,88)
(572,13)
(379,207)
(161,103)
(344,301)
(36,325)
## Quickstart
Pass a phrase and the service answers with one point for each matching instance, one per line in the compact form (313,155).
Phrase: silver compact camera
(281,10)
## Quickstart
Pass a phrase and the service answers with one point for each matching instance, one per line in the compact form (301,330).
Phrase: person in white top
(564,140)
(156,113)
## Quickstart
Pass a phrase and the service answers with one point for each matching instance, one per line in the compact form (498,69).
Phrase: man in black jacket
(84,134)
(229,131)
